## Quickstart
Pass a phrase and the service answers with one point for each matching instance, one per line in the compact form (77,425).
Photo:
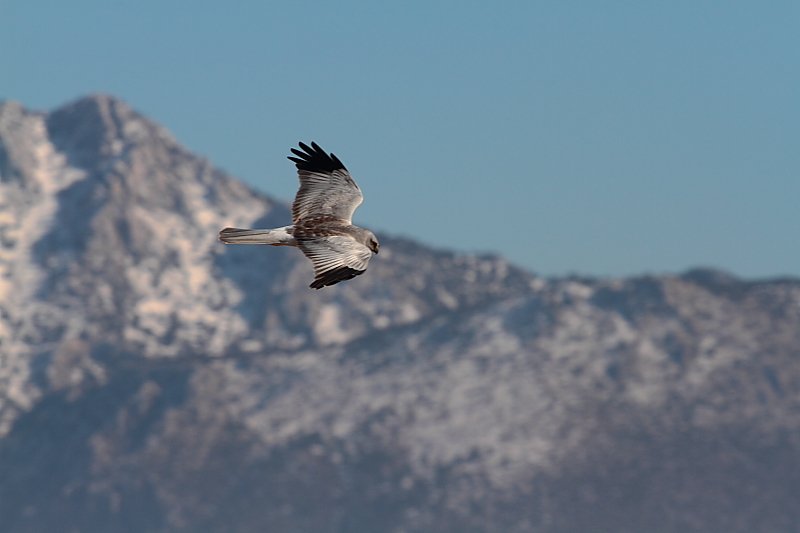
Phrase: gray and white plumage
(322,214)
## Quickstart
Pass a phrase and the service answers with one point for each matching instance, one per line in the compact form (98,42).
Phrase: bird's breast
(321,226)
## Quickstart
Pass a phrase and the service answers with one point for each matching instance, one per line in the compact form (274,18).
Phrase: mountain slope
(153,379)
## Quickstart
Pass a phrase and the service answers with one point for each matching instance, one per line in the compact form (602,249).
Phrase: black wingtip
(332,277)
(314,159)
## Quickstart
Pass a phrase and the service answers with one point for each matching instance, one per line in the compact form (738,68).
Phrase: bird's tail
(275,237)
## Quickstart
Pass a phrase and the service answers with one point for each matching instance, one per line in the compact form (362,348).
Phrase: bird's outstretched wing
(326,187)
(335,258)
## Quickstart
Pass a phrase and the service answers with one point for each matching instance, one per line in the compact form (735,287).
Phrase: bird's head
(372,243)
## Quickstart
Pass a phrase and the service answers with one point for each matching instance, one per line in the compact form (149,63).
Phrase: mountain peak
(10,107)
(98,126)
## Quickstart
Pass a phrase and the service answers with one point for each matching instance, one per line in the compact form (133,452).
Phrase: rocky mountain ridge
(153,379)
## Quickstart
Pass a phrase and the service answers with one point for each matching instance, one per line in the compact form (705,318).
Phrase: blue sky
(605,139)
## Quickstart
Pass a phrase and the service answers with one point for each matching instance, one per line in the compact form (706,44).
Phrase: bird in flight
(322,226)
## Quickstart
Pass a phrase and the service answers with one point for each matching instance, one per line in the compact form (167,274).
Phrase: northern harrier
(321,215)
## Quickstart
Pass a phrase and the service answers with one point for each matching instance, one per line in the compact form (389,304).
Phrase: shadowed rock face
(153,379)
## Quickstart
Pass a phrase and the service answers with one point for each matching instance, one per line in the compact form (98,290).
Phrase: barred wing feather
(335,258)
(326,187)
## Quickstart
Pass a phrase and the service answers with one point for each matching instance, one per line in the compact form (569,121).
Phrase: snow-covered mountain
(153,379)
